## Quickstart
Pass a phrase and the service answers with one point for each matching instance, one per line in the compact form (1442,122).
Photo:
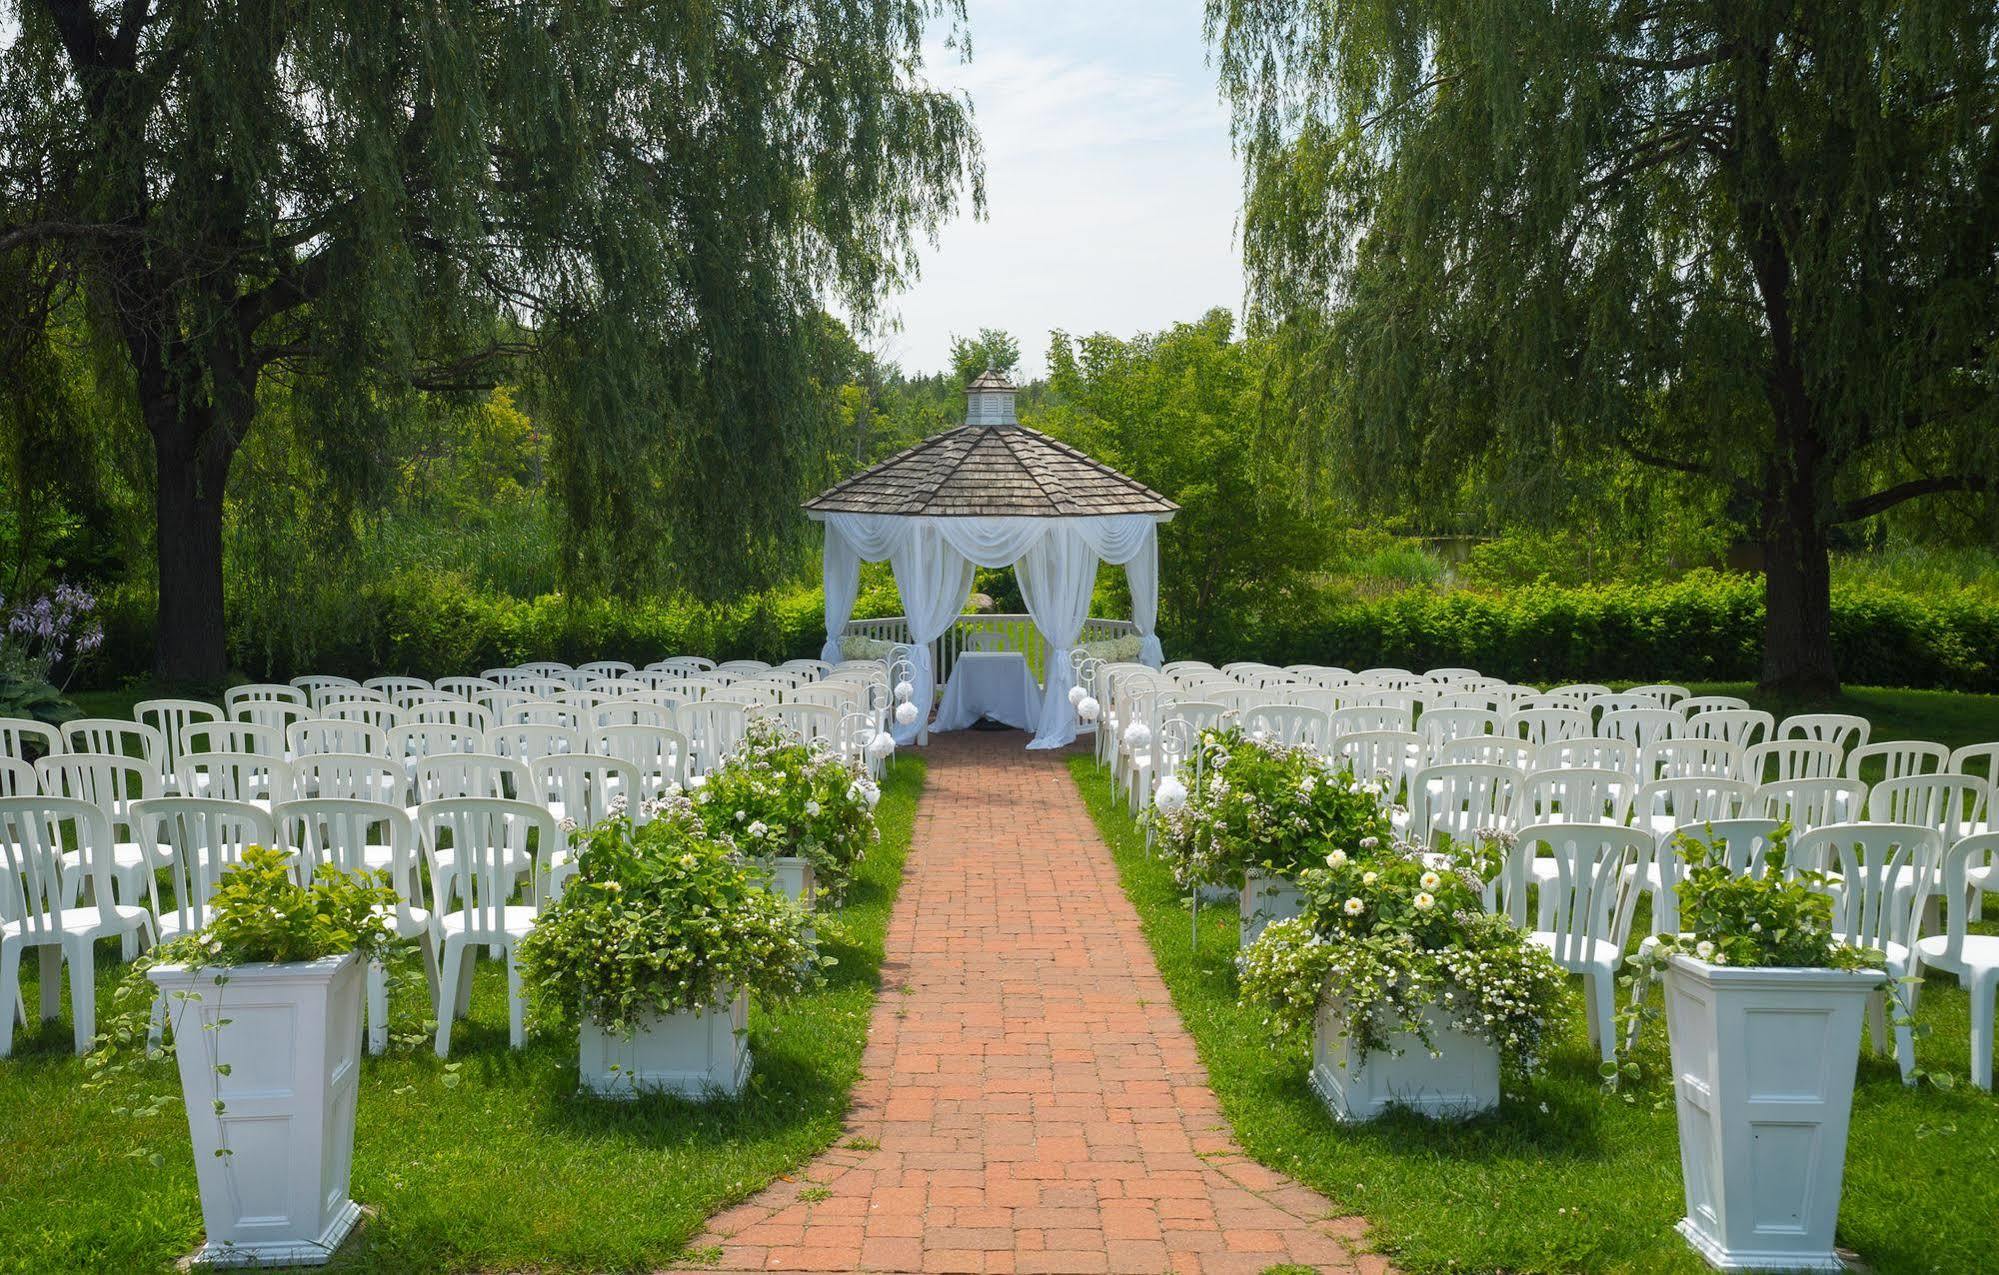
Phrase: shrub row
(1705,626)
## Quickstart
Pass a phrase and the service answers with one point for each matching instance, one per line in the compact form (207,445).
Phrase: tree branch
(36,231)
(1887,498)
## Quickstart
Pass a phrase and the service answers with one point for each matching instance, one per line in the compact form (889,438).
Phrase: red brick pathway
(1029,1100)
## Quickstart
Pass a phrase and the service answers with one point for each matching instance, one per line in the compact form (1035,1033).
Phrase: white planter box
(292,1047)
(1266,899)
(1462,1081)
(793,876)
(1763,1063)
(694,1053)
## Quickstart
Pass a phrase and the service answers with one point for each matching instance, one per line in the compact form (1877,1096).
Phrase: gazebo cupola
(989,400)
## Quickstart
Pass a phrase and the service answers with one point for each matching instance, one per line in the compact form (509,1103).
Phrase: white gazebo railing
(983,631)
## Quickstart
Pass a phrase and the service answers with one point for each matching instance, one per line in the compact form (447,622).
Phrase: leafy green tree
(1750,241)
(631,211)
(1177,410)
(992,348)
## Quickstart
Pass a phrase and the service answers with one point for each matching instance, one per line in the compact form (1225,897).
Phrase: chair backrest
(715,728)
(237,736)
(1542,726)
(1974,853)
(1640,726)
(1952,804)
(235,776)
(18,778)
(1388,755)
(482,832)
(32,890)
(1790,759)
(1593,752)
(1577,795)
(589,788)
(1580,693)
(1743,727)
(545,712)
(338,832)
(1976,759)
(448,776)
(812,723)
(313,683)
(264,693)
(25,739)
(1842,730)
(450,712)
(1362,719)
(661,754)
(630,712)
(1441,725)
(1290,725)
(1491,750)
(1461,800)
(276,714)
(380,714)
(389,686)
(605,668)
(410,697)
(1672,758)
(1620,701)
(1740,843)
(1873,906)
(325,697)
(427,739)
(208,837)
(466,688)
(1810,803)
(347,777)
(1667,694)
(1707,703)
(1694,799)
(120,738)
(334,735)
(110,781)
(527,741)
(1590,901)
(1899,758)
(171,718)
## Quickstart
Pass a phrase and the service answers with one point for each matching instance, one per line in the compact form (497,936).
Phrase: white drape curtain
(933,559)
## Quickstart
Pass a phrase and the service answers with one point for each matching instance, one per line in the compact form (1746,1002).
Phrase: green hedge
(1705,626)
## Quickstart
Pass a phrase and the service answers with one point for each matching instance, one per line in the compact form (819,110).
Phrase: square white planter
(1462,1081)
(793,877)
(292,1047)
(1763,1065)
(1266,899)
(694,1053)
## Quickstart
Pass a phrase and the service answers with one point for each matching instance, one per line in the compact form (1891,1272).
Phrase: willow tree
(1745,240)
(636,209)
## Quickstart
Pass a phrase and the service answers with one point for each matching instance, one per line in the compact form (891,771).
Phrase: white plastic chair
(1489,750)
(428,739)
(207,836)
(1790,759)
(1843,730)
(1577,795)
(1588,752)
(487,835)
(466,688)
(1667,805)
(1900,758)
(1973,958)
(18,778)
(1810,803)
(264,693)
(37,886)
(1289,725)
(113,783)
(1366,719)
(1677,758)
(1641,726)
(333,735)
(1544,726)
(1955,805)
(1689,708)
(526,741)
(108,736)
(463,714)
(347,777)
(235,737)
(1460,800)
(253,777)
(1585,906)
(1743,727)
(1667,694)
(630,712)
(326,697)
(380,714)
(715,729)
(605,668)
(313,683)
(661,755)
(25,739)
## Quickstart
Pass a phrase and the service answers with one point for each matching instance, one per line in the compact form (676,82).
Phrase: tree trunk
(1797,580)
(188,634)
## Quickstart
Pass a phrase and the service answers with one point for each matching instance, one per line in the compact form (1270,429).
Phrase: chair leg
(82,992)
(516,1026)
(1877,1021)
(1603,1013)
(1984,1004)
(1905,1044)
(462,988)
(50,957)
(455,954)
(378,1008)
(10,994)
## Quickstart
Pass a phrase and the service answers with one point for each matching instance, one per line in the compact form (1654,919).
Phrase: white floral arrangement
(1119,650)
(774,795)
(855,647)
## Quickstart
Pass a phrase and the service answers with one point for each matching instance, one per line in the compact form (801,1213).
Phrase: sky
(1112,193)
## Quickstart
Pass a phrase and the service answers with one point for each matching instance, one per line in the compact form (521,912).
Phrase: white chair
(207,836)
(1900,758)
(1585,906)
(253,777)
(661,755)
(25,739)
(815,724)
(1704,703)
(1677,758)
(1289,725)
(1841,730)
(606,668)
(234,737)
(380,714)
(326,697)
(1667,694)
(1390,756)
(486,835)
(1955,805)
(461,713)
(1679,801)
(1973,958)
(427,739)
(114,783)
(1440,726)
(264,693)
(526,741)
(313,683)
(1489,750)
(1790,759)
(1809,803)
(1976,759)
(543,713)
(715,728)
(1640,726)
(1743,845)
(108,736)
(630,712)
(1617,702)
(38,886)
(18,778)
(1461,800)
(347,777)
(448,776)
(1873,906)
(1589,752)
(1577,795)
(394,686)
(585,788)
(275,715)
(1743,727)
(466,688)
(1544,726)
(332,735)
(1366,719)
(357,837)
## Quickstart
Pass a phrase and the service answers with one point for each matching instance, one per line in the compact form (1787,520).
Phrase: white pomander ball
(1138,735)
(872,794)
(904,692)
(905,713)
(1170,794)
(1087,708)
(879,748)
(1077,695)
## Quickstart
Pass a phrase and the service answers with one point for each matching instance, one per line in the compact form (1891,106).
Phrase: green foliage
(1386,940)
(260,913)
(1774,918)
(992,348)
(661,918)
(774,796)
(24,693)
(1256,805)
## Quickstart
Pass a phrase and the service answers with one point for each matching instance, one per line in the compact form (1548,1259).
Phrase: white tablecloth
(993,684)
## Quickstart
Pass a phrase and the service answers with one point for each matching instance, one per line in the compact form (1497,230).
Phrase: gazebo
(993,493)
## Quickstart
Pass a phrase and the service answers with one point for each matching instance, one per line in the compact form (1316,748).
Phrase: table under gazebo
(993,493)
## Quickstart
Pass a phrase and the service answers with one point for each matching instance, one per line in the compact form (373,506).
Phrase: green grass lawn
(508,1169)
(1568,1176)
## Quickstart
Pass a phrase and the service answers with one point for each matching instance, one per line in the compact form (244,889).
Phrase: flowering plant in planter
(659,918)
(1255,805)
(776,796)
(1398,945)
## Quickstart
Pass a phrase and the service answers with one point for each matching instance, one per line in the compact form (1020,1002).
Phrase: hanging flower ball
(1077,695)
(904,692)
(1169,794)
(1138,735)
(905,713)
(879,747)
(1087,708)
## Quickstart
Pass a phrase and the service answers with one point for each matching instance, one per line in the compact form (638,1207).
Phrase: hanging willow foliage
(638,211)
(1755,242)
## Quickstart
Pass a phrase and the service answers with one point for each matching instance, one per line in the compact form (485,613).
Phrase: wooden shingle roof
(989,471)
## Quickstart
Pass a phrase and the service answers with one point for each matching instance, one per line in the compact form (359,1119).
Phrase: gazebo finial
(989,399)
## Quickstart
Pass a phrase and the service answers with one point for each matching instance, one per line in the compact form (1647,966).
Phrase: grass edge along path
(1566,1176)
(502,1167)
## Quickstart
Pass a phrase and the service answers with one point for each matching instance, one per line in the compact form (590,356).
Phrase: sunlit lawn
(508,1170)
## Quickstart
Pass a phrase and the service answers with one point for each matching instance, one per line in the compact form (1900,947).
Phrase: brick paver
(1029,1100)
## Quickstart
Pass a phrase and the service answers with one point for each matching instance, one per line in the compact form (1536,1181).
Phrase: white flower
(1425,901)
(742,815)
(758,828)
(812,809)
(1354,907)
(1368,878)
(1170,794)
(1430,881)
(1336,858)
(1088,708)
(568,825)
(905,713)
(1369,843)
(1704,949)
(1076,694)
(1756,927)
